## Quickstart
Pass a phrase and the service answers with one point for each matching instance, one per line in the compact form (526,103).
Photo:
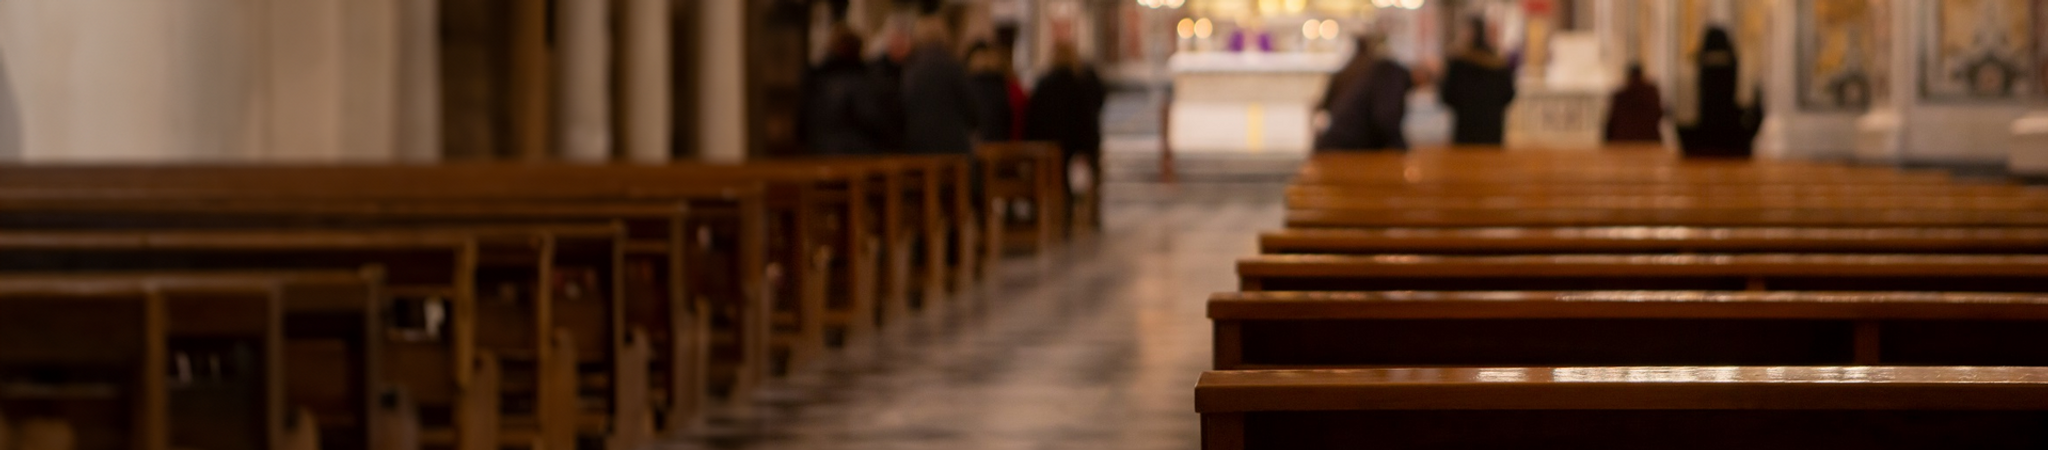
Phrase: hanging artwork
(1978,50)
(1835,43)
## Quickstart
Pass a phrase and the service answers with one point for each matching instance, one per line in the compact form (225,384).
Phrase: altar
(1247,102)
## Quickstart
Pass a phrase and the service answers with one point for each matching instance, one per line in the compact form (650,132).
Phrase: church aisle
(1095,346)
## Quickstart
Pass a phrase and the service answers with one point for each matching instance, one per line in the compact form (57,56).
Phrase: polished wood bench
(1270,330)
(1026,185)
(713,230)
(1623,200)
(126,364)
(1312,218)
(1974,190)
(1615,240)
(1626,407)
(1711,272)
(541,299)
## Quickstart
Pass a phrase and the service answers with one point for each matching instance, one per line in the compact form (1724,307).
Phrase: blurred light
(1203,28)
(1383,3)
(1296,6)
(1186,28)
(1308,29)
(1329,29)
(1411,4)
(1176,4)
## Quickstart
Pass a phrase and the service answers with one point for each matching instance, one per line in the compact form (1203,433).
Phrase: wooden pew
(670,228)
(95,354)
(333,326)
(1670,202)
(1273,330)
(1313,218)
(1030,173)
(1974,190)
(1348,176)
(1625,407)
(1615,240)
(511,292)
(1710,272)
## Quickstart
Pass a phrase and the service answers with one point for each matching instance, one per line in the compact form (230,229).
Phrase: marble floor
(1094,346)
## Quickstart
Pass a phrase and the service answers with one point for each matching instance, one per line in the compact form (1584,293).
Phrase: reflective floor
(1096,346)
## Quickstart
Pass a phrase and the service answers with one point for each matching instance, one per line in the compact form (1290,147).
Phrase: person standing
(1066,108)
(1721,130)
(1477,87)
(997,93)
(1636,113)
(938,102)
(1365,103)
(843,112)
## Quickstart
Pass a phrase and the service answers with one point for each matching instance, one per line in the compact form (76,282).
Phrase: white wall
(197,80)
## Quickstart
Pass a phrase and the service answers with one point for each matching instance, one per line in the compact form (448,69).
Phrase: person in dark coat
(997,93)
(1477,87)
(1721,131)
(938,102)
(1066,108)
(843,111)
(1365,103)
(1636,113)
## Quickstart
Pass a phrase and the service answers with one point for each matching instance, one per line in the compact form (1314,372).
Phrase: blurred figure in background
(1477,87)
(1721,130)
(844,112)
(1066,107)
(1637,111)
(1365,102)
(938,102)
(998,94)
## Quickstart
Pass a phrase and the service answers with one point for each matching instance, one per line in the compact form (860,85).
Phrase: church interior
(1023,224)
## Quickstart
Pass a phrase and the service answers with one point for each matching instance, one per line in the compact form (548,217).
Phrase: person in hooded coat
(1477,86)
(1365,103)
(1722,130)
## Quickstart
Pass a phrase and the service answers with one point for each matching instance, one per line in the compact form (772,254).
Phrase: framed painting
(1978,51)
(1836,43)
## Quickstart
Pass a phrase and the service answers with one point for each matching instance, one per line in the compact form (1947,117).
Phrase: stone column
(646,51)
(721,80)
(1820,78)
(1945,108)
(10,117)
(419,88)
(583,80)
(2029,155)
(370,57)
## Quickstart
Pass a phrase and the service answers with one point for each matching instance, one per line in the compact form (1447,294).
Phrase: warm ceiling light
(1203,28)
(1308,29)
(1186,28)
(1328,29)
(1411,4)
(1176,4)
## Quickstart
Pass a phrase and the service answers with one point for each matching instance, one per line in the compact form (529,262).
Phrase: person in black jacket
(1366,103)
(843,111)
(1477,87)
(939,104)
(989,72)
(1066,107)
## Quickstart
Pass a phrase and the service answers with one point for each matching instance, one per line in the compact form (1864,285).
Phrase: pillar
(419,88)
(81,69)
(2029,151)
(1932,115)
(370,58)
(1820,78)
(721,80)
(10,116)
(645,49)
(583,70)
(532,81)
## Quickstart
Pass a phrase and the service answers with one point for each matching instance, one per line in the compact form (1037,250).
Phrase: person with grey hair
(938,101)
